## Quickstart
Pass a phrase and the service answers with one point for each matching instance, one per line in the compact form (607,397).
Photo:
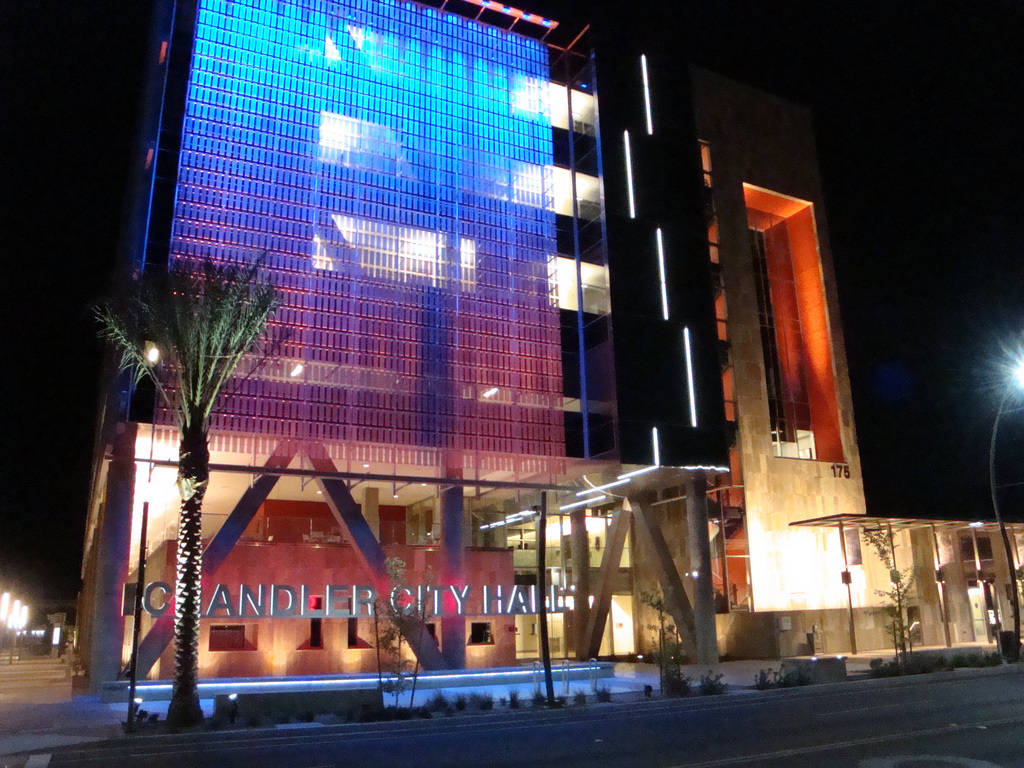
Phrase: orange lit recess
(767,210)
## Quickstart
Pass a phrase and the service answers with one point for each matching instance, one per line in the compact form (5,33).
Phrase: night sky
(920,120)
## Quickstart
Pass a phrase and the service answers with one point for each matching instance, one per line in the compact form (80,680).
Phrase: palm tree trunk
(193,478)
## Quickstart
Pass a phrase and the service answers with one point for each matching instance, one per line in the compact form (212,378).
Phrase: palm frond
(203,320)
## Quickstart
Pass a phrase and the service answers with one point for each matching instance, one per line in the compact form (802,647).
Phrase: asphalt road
(969,721)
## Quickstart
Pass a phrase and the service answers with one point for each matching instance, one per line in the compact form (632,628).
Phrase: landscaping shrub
(603,694)
(483,701)
(711,684)
(513,699)
(676,683)
(793,678)
(767,679)
(460,702)
(579,698)
(885,668)
(437,702)
(539,699)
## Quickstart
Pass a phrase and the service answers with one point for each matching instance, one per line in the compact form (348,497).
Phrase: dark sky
(921,138)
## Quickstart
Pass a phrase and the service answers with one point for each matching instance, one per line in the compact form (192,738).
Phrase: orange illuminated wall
(800,313)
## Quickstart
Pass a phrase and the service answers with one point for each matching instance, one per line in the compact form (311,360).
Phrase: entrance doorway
(979,623)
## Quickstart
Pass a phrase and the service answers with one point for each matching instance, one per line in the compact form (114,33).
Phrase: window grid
(392,165)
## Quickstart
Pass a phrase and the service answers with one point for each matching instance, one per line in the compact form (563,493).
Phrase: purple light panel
(391,162)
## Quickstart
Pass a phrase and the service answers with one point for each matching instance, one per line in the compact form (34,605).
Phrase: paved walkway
(38,709)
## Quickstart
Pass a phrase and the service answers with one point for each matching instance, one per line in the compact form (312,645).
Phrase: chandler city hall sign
(341,601)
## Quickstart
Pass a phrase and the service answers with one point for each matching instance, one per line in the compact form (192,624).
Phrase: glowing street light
(1017,380)
(152,352)
(5,607)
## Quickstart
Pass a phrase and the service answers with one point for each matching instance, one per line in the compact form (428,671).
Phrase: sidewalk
(38,709)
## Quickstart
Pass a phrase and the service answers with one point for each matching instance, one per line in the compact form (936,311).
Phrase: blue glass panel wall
(390,162)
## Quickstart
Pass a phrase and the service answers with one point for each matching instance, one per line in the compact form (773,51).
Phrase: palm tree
(204,321)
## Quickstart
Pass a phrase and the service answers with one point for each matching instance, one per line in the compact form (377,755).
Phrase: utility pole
(139,586)
(542,610)
(1014,653)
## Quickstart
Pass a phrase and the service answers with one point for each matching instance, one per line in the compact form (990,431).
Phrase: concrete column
(434,521)
(112,561)
(421,527)
(371,510)
(700,562)
(453,628)
(580,579)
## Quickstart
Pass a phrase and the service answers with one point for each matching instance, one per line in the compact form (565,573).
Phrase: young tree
(900,584)
(201,323)
(670,653)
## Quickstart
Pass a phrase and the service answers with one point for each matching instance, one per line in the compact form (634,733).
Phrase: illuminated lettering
(221,601)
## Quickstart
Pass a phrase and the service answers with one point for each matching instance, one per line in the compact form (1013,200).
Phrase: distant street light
(1018,381)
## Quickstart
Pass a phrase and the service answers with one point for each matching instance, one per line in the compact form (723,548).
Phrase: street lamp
(1018,380)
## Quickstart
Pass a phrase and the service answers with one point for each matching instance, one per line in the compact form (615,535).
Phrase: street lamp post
(1012,568)
(5,609)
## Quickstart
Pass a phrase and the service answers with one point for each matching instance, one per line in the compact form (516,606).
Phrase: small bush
(977,659)
(306,717)
(513,699)
(483,701)
(256,721)
(503,701)
(437,702)
(561,701)
(579,698)
(603,694)
(539,699)
(676,684)
(918,665)
(885,668)
(766,679)
(793,678)
(711,684)
(423,713)
(460,702)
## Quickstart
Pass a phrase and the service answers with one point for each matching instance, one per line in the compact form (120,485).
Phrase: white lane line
(837,745)
(872,708)
(38,760)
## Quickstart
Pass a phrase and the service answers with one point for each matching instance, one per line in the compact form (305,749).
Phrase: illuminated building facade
(494,295)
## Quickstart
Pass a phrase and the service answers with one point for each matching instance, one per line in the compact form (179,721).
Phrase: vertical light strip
(647,95)
(629,174)
(689,376)
(655,447)
(661,274)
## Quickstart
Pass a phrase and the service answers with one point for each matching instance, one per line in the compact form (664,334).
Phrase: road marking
(908,761)
(837,745)
(38,760)
(872,708)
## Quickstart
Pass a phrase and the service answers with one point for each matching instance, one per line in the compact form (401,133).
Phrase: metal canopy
(898,523)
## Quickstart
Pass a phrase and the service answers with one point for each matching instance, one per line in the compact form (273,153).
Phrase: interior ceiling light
(297,370)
